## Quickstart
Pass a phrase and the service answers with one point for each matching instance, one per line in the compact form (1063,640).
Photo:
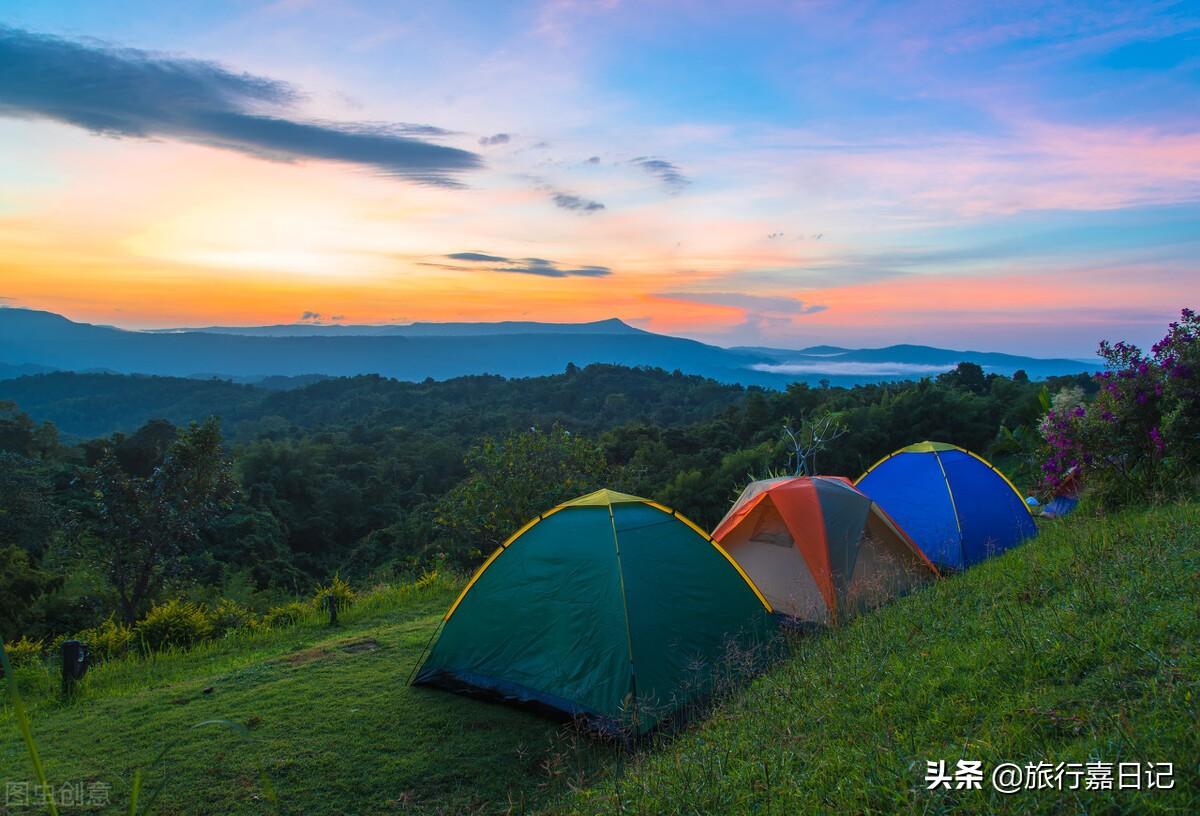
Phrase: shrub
(174,623)
(230,616)
(339,590)
(24,652)
(287,615)
(427,578)
(108,640)
(1139,438)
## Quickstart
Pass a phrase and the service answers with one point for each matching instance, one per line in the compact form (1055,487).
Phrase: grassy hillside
(1084,644)
(330,723)
(1081,645)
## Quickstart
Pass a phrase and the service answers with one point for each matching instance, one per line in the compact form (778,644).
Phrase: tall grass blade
(135,792)
(14,696)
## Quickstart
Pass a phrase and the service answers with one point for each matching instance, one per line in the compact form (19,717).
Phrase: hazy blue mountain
(272,382)
(610,326)
(9,372)
(907,360)
(810,351)
(443,350)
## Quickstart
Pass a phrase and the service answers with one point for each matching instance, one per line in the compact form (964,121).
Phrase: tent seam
(625,609)
(999,473)
(962,545)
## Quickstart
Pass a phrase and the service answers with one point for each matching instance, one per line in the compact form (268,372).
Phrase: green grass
(1083,644)
(331,723)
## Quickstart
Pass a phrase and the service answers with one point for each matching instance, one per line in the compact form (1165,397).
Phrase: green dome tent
(609,607)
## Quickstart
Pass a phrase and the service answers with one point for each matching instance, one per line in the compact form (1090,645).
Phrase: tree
(29,517)
(146,524)
(968,376)
(515,478)
(140,453)
(816,434)
(21,583)
(19,434)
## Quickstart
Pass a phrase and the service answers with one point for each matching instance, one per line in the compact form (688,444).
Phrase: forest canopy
(261,495)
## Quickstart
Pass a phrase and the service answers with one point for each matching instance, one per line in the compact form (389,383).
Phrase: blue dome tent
(953,503)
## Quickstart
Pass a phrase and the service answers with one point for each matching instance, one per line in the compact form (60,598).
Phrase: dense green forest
(257,495)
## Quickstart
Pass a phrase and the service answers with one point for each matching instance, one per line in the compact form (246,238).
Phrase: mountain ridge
(612,325)
(31,340)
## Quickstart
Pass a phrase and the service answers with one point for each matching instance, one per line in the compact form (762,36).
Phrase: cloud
(476,256)
(573,202)
(669,174)
(130,93)
(593,160)
(866,267)
(756,303)
(498,139)
(310,316)
(530,266)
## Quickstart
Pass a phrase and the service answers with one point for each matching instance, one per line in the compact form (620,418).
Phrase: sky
(1020,177)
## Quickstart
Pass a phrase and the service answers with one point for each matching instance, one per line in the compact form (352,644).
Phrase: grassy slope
(335,730)
(1082,644)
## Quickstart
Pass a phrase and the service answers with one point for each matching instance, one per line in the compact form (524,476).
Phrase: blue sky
(1020,177)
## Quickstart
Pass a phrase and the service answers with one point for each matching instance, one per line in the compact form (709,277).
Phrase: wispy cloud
(529,266)
(129,93)
(477,256)
(496,139)
(668,173)
(777,304)
(567,201)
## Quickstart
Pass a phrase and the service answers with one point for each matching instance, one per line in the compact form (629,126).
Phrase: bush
(287,615)
(427,578)
(230,616)
(1139,439)
(24,652)
(339,590)
(108,640)
(174,623)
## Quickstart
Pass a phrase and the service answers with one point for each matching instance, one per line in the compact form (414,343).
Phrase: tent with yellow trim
(955,505)
(609,607)
(818,549)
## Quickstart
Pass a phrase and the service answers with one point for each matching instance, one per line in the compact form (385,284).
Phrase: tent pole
(421,657)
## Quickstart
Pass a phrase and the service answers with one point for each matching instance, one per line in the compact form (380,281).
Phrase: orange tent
(819,549)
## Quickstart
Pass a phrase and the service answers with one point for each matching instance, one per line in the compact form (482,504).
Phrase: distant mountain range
(610,326)
(35,341)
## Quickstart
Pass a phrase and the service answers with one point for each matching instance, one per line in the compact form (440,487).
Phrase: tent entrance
(764,547)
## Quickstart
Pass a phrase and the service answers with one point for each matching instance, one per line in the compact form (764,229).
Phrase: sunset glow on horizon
(1024,179)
